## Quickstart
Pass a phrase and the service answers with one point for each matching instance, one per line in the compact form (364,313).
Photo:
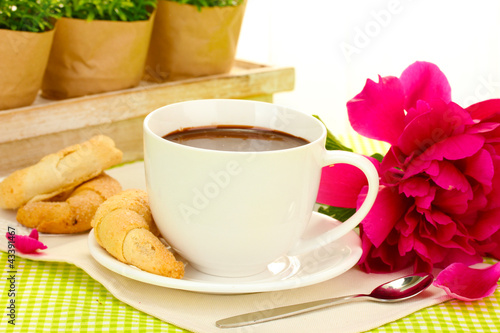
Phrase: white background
(336,45)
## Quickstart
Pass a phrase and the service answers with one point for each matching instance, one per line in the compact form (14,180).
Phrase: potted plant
(194,38)
(99,46)
(26,34)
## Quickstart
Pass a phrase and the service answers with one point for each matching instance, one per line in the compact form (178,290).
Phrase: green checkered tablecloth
(60,297)
(54,296)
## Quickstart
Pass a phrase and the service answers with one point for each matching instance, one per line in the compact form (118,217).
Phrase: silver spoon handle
(281,312)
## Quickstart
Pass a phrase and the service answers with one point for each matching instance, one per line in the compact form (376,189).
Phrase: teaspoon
(393,291)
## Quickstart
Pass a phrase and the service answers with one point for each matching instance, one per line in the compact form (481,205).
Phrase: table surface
(55,296)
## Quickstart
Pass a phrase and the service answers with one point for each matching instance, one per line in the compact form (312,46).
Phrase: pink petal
(457,255)
(452,201)
(388,209)
(446,228)
(391,166)
(485,109)
(418,165)
(466,283)
(494,195)
(34,234)
(26,244)
(451,178)
(477,203)
(486,225)
(487,115)
(412,113)
(411,220)
(422,265)
(415,187)
(480,167)
(340,191)
(428,249)
(419,188)
(377,112)
(425,202)
(432,127)
(482,128)
(454,148)
(424,81)
(405,244)
(433,168)
(382,259)
(495,251)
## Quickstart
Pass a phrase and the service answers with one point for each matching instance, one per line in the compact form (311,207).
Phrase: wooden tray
(29,133)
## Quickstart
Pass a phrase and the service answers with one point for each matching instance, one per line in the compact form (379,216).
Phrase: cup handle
(367,167)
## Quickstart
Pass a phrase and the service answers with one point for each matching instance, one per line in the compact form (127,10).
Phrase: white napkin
(198,312)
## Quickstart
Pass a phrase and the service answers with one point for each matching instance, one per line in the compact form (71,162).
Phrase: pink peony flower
(439,198)
(26,244)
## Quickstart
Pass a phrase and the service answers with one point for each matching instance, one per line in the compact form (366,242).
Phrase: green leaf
(110,10)
(209,3)
(378,157)
(29,15)
(338,213)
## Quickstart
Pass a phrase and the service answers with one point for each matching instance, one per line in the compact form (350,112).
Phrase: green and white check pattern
(362,145)
(59,297)
(63,298)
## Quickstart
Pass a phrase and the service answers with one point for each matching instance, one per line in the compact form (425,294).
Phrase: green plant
(209,3)
(29,15)
(110,10)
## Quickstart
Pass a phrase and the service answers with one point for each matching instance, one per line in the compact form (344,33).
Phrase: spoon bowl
(392,291)
(402,288)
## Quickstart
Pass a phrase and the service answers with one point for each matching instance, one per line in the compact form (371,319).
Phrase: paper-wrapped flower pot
(23,59)
(187,42)
(90,57)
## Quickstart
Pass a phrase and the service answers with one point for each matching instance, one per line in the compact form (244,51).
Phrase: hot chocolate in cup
(232,210)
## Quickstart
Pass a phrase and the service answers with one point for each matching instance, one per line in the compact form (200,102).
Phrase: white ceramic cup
(233,213)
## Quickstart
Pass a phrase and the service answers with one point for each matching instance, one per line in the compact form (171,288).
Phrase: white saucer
(287,272)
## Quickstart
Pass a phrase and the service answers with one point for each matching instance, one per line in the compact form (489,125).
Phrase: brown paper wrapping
(96,56)
(189,43)
(23,58)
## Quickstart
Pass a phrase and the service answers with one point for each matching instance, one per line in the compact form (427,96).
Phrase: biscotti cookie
(59,172)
